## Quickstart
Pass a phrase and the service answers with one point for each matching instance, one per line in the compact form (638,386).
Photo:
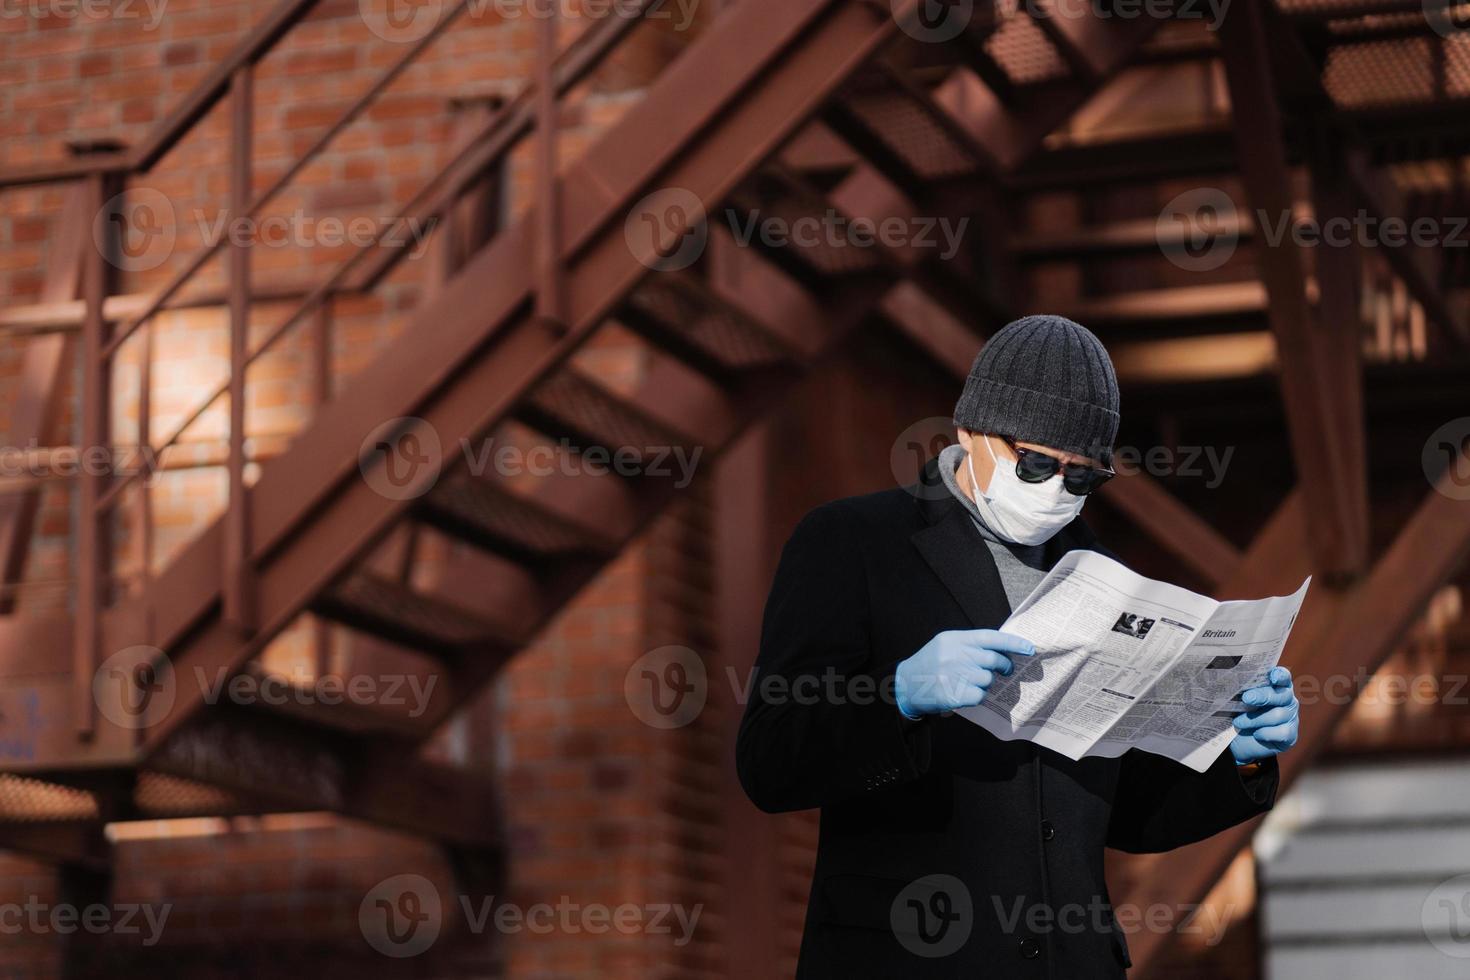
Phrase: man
(944,851)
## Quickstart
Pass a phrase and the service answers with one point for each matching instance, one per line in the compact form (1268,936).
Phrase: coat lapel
(959,556)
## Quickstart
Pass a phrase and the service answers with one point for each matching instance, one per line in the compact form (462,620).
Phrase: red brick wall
(590,814)
(117,75)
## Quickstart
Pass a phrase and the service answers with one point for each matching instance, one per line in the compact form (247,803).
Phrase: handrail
(269,194)
(166,133)
(216,85)
(509,123)
(106,174)
(66,171)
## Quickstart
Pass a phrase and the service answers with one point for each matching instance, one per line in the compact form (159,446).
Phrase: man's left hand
(1269,726)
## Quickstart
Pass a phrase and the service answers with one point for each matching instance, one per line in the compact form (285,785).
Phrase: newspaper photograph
(1123,662)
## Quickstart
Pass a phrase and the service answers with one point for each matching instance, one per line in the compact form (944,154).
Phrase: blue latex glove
(954,670)
(1270,726)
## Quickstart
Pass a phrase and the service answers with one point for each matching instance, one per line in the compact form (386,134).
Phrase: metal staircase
(789,108)
(782,109)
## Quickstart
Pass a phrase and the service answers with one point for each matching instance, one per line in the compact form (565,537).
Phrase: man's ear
(966,438)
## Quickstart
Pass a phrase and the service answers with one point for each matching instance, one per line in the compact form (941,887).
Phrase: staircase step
(572,406)
(492,517)
(770,200)
(395,611)
(25,801)
(1139,235)
(901,138)
(74,797)
(346,714)
(681,315)
(1173,304)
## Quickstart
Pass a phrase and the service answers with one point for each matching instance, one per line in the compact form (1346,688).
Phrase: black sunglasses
(1038,467)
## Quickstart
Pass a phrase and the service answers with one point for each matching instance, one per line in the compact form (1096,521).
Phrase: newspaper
(1124,662)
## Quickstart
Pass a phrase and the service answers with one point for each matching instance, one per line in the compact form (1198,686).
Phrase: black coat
(1016,830)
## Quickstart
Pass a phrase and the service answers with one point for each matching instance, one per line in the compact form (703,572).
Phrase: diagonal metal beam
(774,72)
(1338,633)
(1336,530)
(1172,525)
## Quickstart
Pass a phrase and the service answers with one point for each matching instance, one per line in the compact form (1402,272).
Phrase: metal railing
(533,109)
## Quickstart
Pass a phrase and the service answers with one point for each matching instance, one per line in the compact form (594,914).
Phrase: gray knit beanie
(1047,380)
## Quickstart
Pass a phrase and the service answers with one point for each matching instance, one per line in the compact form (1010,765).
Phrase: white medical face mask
(1021,512)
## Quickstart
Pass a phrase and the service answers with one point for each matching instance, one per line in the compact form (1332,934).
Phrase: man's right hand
(955,669)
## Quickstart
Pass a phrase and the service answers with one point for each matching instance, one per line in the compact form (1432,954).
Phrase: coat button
(1047,830)
(1030,949)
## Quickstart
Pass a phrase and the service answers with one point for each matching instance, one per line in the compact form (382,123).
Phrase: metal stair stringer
(758,293)
(313,515)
